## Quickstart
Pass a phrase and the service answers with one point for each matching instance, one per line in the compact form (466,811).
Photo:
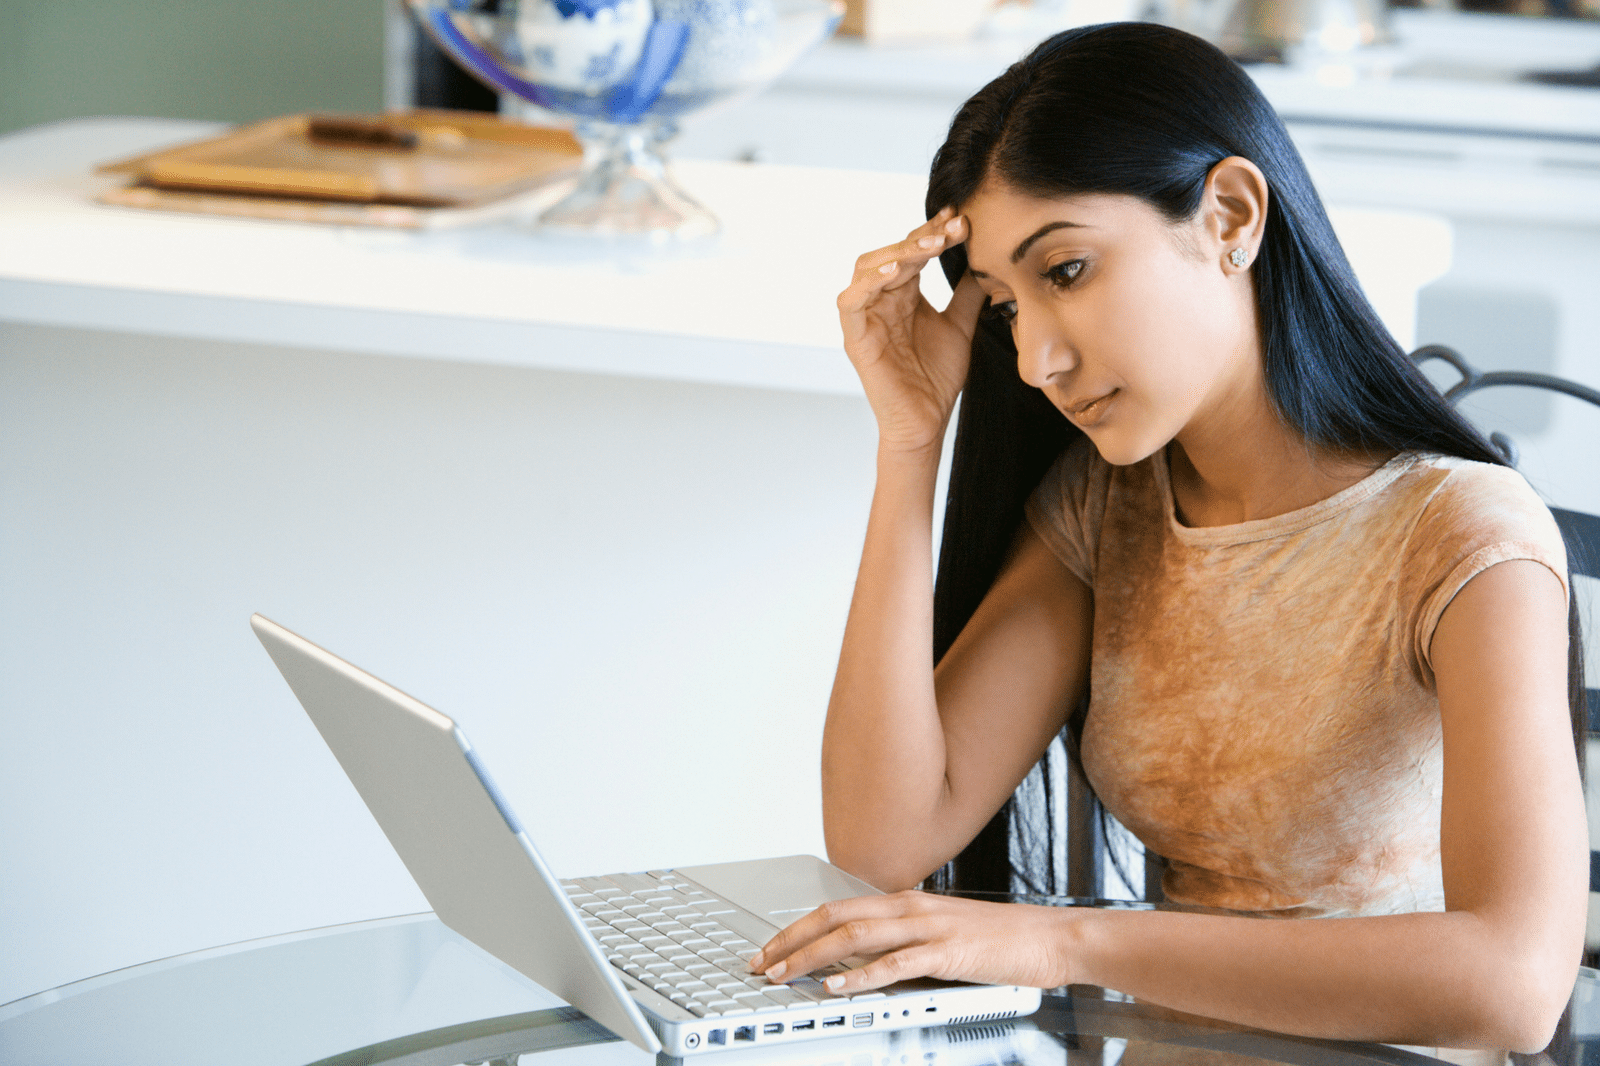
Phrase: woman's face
(1134,328)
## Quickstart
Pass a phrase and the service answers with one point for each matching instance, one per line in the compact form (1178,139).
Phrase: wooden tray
(421,159)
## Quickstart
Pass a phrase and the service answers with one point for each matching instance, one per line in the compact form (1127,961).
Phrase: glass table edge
(18,1007)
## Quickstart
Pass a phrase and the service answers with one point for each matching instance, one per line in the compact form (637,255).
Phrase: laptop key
(696,1008)
(810,988)
(631,882)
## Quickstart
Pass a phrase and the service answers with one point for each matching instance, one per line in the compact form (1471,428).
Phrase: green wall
(231,60)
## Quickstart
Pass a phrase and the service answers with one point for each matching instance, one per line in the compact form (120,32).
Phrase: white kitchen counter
(754,308)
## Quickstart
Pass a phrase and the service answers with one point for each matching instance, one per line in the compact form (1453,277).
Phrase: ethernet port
(745,1032)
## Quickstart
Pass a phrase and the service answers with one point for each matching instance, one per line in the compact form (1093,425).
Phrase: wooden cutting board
(350,168)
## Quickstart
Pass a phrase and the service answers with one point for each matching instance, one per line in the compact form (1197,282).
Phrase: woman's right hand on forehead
(911,358)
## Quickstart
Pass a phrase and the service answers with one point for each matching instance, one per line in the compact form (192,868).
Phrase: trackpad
(779,890)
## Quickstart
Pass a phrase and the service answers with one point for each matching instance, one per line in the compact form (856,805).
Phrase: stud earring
(1238,257)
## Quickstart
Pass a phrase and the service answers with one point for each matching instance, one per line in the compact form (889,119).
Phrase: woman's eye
(1063,274)
(1005,312)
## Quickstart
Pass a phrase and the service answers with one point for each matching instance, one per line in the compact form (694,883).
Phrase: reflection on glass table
(407,991)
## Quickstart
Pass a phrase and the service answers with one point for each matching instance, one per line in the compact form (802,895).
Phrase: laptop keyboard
(674,938)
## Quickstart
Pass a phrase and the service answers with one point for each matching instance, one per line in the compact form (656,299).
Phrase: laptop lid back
(460,841)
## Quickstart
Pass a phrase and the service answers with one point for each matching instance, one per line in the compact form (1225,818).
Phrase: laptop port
(745,1032)
(717,1036)
(772,1029)
(831,1023)
(861,1021)
(800,1027)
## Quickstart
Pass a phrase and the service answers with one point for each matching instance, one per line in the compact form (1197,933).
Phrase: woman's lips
(1089,412)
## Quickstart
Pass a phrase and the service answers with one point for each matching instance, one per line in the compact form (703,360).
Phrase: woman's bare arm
(1493,970)
(914,765)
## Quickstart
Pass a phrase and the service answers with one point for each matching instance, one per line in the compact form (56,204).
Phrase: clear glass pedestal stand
(626,190)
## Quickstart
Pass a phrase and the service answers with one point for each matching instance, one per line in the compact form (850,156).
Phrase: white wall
(610,582)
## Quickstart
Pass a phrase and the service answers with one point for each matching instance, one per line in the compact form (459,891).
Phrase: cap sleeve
(1068,506)
(1481,515)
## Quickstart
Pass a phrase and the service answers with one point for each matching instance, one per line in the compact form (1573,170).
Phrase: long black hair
(1143,110)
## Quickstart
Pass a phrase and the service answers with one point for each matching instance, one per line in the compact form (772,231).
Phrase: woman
(1322,627)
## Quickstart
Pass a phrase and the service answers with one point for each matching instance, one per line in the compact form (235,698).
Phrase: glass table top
(407,991)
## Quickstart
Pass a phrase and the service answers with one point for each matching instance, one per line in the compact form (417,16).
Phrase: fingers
(919,960)
(837,931)
(783,949)
(898,264)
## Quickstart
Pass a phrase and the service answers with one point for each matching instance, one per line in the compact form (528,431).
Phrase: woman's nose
(1042,352)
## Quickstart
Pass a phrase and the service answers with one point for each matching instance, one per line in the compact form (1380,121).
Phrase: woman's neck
(1246,465)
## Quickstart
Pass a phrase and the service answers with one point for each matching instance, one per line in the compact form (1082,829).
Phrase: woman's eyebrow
(1048,227)
(1027,242)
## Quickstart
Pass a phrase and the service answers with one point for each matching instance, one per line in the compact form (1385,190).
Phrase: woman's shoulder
(1467,516)
(1450,493)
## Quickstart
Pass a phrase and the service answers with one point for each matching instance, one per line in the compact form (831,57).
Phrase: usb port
(745,1032)
(861,1021)
(831,1023)
(800,1027)
(772,1029)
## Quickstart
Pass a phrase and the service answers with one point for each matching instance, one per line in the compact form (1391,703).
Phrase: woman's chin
(1122,449)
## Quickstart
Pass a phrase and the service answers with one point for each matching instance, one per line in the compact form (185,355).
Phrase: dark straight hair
(1143,110)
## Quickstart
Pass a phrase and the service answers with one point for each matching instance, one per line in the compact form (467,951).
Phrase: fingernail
(953,225)
(777,971)
(929,242)
(888,268)
(755,962)
(835,982)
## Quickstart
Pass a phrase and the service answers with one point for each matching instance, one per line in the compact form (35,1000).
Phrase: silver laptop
(657,957)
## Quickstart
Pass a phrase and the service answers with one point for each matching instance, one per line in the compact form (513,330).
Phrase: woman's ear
(1235,211)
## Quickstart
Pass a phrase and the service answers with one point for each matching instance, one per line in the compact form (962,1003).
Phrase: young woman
(1322,629)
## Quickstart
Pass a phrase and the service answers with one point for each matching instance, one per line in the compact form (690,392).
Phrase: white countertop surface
(1450,70)
(754,308)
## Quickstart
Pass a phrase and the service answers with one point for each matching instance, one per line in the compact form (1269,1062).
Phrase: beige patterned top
(1262,708)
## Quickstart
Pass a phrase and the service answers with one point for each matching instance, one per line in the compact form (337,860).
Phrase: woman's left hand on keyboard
(916,934)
